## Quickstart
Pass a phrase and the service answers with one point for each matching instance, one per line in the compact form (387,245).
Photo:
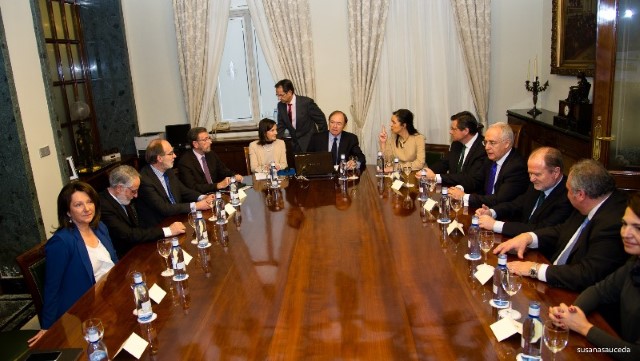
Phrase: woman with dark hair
(621,288)
(267,148)
(79,253)
(406,143)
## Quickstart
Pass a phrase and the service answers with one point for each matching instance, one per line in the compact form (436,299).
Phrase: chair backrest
(32,265)
(247,161)
(517,129)
(435,152)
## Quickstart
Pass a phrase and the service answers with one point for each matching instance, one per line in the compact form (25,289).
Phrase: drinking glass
(431,182)
(486,243)
(355,170)
(511,283)
(407,172)
(555,337)
(92,323)
(192,223)
(164,248)
(213,211)
(456,204)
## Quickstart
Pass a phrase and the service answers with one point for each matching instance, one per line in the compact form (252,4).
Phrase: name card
(484,272)
(397,184)
(505,328)
(135,345)
(429,204)
(156,293)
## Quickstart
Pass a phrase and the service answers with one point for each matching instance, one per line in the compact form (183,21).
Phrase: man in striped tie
(586,247)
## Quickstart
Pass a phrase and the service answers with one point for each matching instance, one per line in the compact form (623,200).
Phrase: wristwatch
(533,271)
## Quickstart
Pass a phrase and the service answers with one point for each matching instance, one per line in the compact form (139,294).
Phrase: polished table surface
(317,271)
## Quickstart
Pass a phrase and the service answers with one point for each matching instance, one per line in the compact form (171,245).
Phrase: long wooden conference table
(317,271)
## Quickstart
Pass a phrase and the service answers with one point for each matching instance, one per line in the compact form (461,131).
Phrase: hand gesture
(382,137)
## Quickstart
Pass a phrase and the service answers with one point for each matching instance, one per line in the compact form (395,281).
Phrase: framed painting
(573,37)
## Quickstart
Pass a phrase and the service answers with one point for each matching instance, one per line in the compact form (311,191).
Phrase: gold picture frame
(573,37)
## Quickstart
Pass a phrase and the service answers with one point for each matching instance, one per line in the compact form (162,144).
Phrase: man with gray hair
(586,247)
(505,172)
(120,215)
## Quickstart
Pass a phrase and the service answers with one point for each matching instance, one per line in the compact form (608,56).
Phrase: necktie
(492,179)
(131,212)
(205,168)
(564,256)
(541,198)
(166,182)
(461,160)
(290,114)
(334,150)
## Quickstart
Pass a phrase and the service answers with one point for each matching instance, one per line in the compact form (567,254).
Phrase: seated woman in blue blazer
(78,254)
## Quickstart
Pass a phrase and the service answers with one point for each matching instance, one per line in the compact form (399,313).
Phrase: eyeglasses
(133,191)
(491,143)
(281,95)
(207,139)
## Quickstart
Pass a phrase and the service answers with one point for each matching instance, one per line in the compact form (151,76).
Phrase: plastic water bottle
(96,351)
(396,168)
(222,235)
(201,230)
(444,207)
(233,192)
(275,114)
(532,332)
(474,239)
(499,294)
(177,261)
(380,165)
(273,175)
(423,186)
(141,295)
(343,167)
(221,215)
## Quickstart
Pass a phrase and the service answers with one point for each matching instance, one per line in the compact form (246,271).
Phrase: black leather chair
(32,265)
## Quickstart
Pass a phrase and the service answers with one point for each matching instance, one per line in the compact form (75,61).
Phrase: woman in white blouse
(267,148)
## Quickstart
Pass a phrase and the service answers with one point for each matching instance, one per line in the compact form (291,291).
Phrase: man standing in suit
(464,164)
(161,192)
(544,204)
(299,115)
(586,247)
(344,142)
(201,169)
(505,174)
(119,213)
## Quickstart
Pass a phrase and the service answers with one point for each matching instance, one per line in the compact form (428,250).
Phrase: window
(245,85)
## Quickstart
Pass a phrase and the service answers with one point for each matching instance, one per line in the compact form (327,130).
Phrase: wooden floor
(317,272)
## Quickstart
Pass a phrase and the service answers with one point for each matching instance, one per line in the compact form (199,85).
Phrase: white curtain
(201,28)
(474,29)
(290,24)
(421,69)
(367,20)
(261,24)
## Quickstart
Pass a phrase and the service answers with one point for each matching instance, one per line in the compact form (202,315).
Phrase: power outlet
(44,151)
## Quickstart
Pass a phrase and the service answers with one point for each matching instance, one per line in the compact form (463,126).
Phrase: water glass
(555,337)
(164,249)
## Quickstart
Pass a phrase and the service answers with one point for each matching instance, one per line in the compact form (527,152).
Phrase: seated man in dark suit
(544,204)
(586,247)
(201,169)
(298,114)
(161,192)
(347,143)
(464,164)
(118,212)
(505,174)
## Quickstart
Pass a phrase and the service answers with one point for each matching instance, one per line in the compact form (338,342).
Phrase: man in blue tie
(337,141)
(586,247)
(544,204)
(505,171)
(162,194)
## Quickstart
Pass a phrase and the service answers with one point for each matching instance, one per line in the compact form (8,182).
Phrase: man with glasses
(505,174)
(299,115)
(464,164)
(119,213)
(162,194)
(201,169)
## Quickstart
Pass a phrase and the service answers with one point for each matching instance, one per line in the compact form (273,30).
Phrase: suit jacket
(191,174)
(555,209)
(153,202)
(69,273)
(348,146)
(125,232)
(309,119)
(511,181)
(472,175)
(597,252)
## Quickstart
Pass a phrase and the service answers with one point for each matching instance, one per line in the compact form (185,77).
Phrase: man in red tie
(299,115)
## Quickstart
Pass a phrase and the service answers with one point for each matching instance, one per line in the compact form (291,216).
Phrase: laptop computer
(315,165)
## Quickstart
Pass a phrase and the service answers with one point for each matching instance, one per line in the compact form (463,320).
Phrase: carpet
(15,311)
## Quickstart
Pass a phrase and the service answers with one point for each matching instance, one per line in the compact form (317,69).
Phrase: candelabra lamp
(535,88)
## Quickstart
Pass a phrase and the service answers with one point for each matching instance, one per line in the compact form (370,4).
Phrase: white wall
(29,84)
(153,57)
